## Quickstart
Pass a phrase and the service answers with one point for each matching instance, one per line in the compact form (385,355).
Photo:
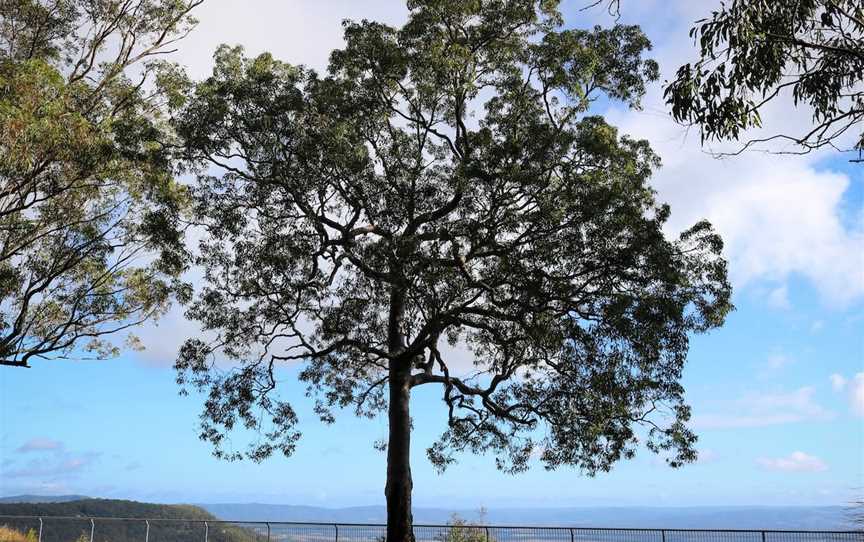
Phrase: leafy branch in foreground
(88,204)
(753,52)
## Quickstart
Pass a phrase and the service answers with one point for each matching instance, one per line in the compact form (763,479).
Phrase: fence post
(763,536)
(571,534)
(206,531)
(337,531)
(92,528)
(268,532)
(40,529)
(487,533)
(147,532)
(663,535)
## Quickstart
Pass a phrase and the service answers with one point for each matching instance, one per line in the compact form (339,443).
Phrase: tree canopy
(445,182)
(753,52)
(87,195)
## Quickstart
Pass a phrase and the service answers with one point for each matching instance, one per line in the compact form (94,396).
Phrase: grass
(11,535)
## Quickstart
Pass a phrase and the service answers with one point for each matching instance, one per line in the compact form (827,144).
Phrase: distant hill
(706,517)
(68,530)
(42,498)
(703,517)
(104,508)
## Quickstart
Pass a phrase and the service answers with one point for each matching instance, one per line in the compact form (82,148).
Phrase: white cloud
(537,452)
(800,401)
(838,382)
(856,394)
(61,465)
(162,339)
(779,298)
(703,456)
(854,389)
(780,216)
(778,361)
(783,223)
(299,32)
(765,409)
(40,444)
(707,456)
(795,462)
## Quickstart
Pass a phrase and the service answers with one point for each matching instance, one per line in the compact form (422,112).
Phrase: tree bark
(399,484)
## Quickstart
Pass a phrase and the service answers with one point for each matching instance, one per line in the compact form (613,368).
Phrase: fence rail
(87,529)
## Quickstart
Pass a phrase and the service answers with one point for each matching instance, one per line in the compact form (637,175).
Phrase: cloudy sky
(778,393)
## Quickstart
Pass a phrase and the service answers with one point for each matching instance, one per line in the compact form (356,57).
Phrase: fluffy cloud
(707,456)
(62,465)
(299,32)
(39,444)
(162,339)
(854,389)
(703,457)
(795,462)
(778,361)
(838,382)
(781,216)
(765,409)
(44,457)
(779,298)
(856,394)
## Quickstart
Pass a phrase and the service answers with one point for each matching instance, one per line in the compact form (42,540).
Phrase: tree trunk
(400,523)
(399,484)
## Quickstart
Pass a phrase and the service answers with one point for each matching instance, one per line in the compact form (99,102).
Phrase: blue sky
(777,394)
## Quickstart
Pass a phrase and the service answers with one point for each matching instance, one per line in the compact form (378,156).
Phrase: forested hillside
(69,530)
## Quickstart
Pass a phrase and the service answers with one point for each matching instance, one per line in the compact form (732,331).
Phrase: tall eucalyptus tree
(445,182)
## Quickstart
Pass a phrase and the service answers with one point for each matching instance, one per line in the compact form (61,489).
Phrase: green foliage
(462,530)
(118,531)
(106,508)
(11,535)
(88,203)
(446,182)
(753,51)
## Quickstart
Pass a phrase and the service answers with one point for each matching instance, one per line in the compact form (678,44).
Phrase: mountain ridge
(704,517)
(35,499)
(70,520)
(693,517)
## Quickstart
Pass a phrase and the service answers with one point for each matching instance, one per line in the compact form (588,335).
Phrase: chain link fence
(78,529)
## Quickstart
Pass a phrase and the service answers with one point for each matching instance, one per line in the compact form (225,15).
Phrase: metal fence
(83,529)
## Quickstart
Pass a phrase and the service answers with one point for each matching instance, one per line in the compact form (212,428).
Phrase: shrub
(462,530)
(11,535)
